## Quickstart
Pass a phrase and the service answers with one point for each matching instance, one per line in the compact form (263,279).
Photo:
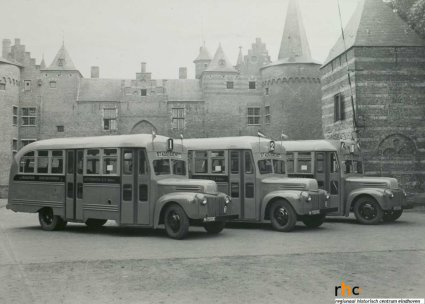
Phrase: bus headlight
(404,193)
(227,200)
(305,196)
(389,193)
(327,196)
(202,199)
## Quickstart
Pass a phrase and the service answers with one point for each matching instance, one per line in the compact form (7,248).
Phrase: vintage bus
(252,171)
(133,179)
(338,169)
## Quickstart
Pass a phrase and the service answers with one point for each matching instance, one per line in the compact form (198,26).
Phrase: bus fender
(292,196)
(376,193)
(186,200)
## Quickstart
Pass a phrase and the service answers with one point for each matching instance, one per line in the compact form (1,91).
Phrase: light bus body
(252,171)
(338,168)
(133,179)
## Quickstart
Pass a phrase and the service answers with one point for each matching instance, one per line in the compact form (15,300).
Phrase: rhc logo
(346,290)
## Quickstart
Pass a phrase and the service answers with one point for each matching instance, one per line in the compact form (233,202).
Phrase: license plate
(209,219)
(315,212)
(397,208)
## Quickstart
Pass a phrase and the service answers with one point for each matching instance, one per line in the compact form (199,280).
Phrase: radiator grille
(215,206)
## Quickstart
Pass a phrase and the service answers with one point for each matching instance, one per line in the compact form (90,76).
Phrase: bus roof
(108,141)
(225,143)
(311,145)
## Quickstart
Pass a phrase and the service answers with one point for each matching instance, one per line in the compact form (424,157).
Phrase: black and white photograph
(212,151)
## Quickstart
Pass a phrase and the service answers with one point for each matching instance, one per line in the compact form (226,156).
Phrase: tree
(416,17)
(402,7)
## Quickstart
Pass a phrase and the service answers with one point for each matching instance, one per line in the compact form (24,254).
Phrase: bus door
(242,183)
(328,177)
(134,187)
(74,184)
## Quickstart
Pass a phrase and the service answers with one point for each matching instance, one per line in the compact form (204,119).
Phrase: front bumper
(220,218)
(323,211)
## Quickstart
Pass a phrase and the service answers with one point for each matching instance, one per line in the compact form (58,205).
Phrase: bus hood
(292,183)
(373,182)
(189,185)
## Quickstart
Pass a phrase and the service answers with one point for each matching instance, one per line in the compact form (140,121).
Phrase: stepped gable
(375,24)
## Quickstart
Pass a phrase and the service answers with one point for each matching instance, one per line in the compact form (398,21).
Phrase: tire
(49,221)
(95,223)
(392,215)
(313,221)
(282,216)
(214,227)
(176,222)
(368,211)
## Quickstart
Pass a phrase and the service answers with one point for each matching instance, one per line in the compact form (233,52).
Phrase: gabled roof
(294,45)
(204,55)
(96,89)
(62,61)
(220,63)
(375,24)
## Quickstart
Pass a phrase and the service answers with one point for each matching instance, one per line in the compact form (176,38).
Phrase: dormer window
(222,62)
(61,62)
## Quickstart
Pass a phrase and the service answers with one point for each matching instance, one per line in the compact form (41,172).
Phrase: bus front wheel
(368,211)
(282,216)
(176,222)
(214,227)
(313,221)
(49,221)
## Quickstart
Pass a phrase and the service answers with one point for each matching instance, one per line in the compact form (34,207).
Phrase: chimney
(182,73)
(143,67)
(17,41)
(94,71)
(6,48)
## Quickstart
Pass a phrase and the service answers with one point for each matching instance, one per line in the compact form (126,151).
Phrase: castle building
(384,107)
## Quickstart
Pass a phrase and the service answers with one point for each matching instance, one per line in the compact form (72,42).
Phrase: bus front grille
(215,206)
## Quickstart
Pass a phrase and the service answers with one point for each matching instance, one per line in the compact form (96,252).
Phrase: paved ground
(244,264)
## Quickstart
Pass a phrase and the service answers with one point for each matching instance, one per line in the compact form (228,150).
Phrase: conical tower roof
(204,55)
(375,24)
(220,62)
(294,45)
(62,61)
(240,58)
(42,63)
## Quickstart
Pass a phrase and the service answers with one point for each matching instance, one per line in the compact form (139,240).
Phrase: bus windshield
(267,166)
(353,166)
(169,166)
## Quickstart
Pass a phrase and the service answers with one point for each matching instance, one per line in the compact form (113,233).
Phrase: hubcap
(174,221)
(281,216)
(47,217)
(368,211)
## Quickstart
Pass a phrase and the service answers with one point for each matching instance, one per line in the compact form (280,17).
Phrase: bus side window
(93,161)
(70,162)
(320,162)
(80,162)
(128,162)
(334,162)
(57,162)
(290,162)
(248,163)
(110,161)
(143,165)
(27,163)
(304,162)
(43,161)
(218,162)
(201,162)
(234,162)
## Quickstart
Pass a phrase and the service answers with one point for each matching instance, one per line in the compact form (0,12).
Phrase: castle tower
(202,61)
(292,85)
(385,61)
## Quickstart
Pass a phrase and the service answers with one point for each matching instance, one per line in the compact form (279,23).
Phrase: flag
(283,136)
(153,134)
(260,134)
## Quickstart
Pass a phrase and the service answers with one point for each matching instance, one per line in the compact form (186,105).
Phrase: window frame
(28,116)
(101,159)
(339,107)
(253,116)
(113,118)
(15,116)
(178,115)
(230,85)
(252,85)
(267,115)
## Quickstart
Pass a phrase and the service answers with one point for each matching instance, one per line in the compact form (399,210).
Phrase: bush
(416,17)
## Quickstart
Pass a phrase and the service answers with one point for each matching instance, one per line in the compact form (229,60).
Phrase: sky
(117,35)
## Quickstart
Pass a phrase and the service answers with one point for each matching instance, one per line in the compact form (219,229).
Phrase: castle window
(15,115)
(25,142)
(110,119)
(28,116)
(27,85)
(267,115)
(229,84)
(143,92)
(177,120)
(252,85)
(52,84)
(60,128)
(266,91)
(339,107)
(253,116)
(61,62)
(14,146)
(2,86)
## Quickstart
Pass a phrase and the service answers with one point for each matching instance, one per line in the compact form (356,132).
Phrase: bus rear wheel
(176,222)
(282,216)
(313,221)
(95,223)
(393,215)
(214,227)
(49,221)
(368,211)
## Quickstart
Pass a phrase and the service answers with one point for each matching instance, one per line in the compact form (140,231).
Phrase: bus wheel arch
(175,220)
(49,221)
(367,209)
(281,214)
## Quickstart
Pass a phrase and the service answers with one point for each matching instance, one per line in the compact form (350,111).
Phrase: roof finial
(63,38)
